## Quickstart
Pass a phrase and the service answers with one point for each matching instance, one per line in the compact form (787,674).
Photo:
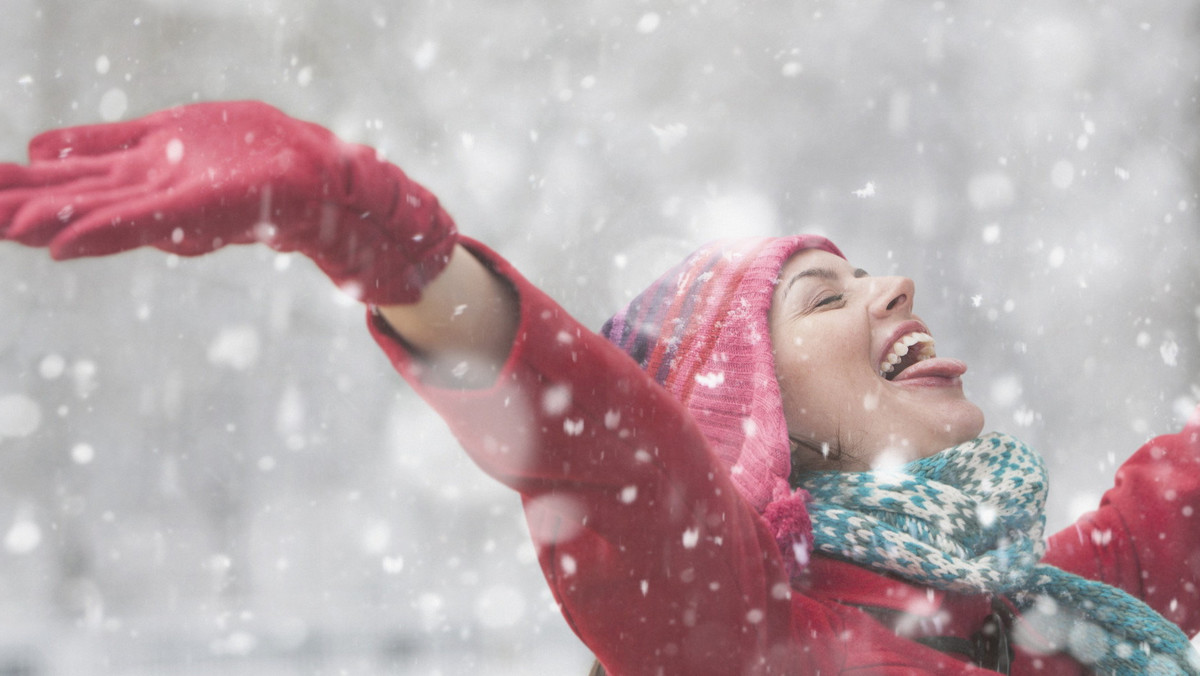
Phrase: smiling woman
(858,371)
(681,520)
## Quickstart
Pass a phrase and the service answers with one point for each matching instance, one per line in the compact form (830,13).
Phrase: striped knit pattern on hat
(970,519)
(702,331)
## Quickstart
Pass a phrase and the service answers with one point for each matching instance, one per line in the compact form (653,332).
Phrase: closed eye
(829,300)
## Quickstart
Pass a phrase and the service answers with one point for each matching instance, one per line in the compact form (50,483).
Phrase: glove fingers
(43,216)
(11,201)
(41,174)
(192,219)
(113,228)
(88,140)
(33,194)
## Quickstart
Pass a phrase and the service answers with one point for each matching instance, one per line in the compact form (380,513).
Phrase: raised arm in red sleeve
(1145,537)
(658,563)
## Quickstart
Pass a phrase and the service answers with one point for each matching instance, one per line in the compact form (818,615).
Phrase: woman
(670,494)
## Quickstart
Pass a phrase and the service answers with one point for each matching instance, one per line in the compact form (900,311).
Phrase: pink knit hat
(702,331)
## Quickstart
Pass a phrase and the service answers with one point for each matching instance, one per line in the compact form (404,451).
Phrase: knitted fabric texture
(702,331)
(971,519)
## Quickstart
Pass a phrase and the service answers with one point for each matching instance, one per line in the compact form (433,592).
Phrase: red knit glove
(192,179)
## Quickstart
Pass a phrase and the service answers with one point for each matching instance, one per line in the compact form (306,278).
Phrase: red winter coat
(661,568)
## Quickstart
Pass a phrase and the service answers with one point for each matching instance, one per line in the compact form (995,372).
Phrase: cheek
(819,368)
(801,373)
(807,384)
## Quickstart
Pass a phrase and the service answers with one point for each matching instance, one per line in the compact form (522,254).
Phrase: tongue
(938,367)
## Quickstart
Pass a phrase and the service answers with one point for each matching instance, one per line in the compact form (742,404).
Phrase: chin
(945,429)
(964,424)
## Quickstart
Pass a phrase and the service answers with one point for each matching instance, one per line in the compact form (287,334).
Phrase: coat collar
(842,582)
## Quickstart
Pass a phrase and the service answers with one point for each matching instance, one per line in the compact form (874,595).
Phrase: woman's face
(857,368)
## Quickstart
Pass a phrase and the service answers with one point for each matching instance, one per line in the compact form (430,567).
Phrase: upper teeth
(901,348)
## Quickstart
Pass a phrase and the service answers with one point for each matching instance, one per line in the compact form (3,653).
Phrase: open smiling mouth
(910,349)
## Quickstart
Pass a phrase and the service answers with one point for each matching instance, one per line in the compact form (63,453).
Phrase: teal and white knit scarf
(971,519)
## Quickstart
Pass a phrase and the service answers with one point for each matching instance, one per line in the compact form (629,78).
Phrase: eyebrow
(820,273)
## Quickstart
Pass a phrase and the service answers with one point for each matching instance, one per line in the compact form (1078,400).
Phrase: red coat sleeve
(1145,537)
(658,564)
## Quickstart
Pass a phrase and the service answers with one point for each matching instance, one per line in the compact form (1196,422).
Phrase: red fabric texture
(662,567)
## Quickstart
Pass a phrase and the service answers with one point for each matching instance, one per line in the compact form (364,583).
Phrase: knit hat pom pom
(792,528)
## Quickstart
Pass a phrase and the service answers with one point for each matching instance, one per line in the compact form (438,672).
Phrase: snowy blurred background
(206,467)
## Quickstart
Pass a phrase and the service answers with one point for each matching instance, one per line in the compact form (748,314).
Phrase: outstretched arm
(656,559)
(192,179)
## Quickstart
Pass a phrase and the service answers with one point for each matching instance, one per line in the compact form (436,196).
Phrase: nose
(892,294)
